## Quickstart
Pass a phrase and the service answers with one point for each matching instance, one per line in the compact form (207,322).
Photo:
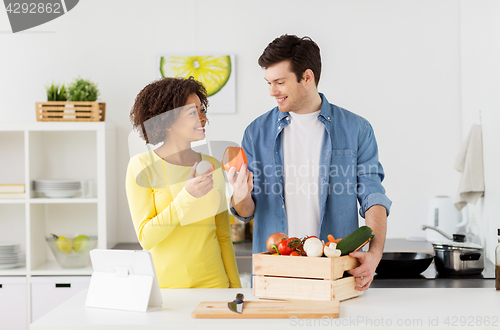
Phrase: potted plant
(76,103)
(81,90)
(56,93)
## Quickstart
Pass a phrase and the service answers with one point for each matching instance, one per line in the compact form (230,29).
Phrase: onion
(275,239)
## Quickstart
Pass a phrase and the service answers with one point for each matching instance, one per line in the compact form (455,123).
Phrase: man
(309,161)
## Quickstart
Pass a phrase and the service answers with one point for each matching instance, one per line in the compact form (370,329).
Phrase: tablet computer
(123,279)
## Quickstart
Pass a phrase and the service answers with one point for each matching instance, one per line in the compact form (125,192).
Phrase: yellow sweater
(189,238)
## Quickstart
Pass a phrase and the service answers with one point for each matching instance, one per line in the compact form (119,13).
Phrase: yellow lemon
(212,71)
(63,244)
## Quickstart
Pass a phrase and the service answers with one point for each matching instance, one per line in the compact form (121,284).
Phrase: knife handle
(239,298)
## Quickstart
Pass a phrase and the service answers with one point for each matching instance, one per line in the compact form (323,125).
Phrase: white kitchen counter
(377,308)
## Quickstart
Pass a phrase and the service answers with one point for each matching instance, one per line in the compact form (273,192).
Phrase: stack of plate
(11,255)
(57,188)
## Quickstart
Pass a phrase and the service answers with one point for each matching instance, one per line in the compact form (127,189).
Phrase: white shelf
(52,268)
(56,126)
(13,201)
(19,271)
(56,150)
(63,200)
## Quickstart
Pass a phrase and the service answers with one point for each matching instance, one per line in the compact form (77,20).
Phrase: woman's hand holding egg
(199,186)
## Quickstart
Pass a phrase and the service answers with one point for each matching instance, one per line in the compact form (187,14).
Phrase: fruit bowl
(72,252)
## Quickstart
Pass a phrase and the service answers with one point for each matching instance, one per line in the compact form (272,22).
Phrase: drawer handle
(1,286)
(63,285)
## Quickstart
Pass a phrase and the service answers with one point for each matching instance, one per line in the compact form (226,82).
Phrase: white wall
(480,53)
(397,63)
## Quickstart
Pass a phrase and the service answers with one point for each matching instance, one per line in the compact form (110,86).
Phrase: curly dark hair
(157,100)
(303,53)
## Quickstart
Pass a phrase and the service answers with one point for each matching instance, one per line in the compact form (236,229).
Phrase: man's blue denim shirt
(349,172)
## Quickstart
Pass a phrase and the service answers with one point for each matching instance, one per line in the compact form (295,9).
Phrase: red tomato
(290,245)
(295,253)
(283,248)
(234,156)
(274,240)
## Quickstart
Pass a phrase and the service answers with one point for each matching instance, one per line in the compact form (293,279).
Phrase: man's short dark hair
(303,54)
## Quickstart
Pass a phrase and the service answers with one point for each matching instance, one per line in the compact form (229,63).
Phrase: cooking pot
(455,256)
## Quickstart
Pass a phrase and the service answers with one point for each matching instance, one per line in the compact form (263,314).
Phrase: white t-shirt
(302,140)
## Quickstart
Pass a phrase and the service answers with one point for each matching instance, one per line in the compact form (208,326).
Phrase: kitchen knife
(237,304)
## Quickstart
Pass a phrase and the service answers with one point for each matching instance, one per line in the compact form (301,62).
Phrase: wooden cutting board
(302,309)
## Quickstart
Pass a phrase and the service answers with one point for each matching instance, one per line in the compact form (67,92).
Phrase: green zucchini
(354,240)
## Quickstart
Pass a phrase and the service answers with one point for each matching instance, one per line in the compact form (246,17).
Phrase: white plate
(19,264)
(58,187)
(57,184)
(61,193)
(8,244)
(57,181)
(8,253)
(53,189)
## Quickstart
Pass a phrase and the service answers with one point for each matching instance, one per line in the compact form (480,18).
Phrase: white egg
(203,167)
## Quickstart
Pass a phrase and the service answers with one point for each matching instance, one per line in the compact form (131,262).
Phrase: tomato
(273,240)
(284,249)
(295,253)
(234,157)
(290,245)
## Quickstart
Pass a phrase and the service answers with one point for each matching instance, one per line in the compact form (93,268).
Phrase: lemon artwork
(212,71)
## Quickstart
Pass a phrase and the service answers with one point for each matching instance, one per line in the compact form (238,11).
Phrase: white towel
(469,162)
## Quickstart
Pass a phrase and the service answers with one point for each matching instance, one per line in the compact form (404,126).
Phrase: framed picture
(215,72)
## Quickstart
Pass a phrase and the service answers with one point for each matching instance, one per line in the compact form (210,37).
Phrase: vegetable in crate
(354,240)
(273,240)
(290,245)
(313,247)
(331,250)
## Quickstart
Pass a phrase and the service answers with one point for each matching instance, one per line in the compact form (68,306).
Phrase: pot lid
(456,245)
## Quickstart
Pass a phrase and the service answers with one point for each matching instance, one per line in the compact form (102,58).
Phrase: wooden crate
(309,278)
(70,111)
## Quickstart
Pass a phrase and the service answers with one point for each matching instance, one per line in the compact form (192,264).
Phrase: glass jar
(237,231)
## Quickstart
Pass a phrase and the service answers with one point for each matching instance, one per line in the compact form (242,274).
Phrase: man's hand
(376,219)
(365,272)
(242,183)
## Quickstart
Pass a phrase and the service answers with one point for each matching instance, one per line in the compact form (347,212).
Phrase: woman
(181,218)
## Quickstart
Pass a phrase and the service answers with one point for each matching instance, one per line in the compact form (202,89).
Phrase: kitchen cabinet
(13,314)
(50,151)
(48,292)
